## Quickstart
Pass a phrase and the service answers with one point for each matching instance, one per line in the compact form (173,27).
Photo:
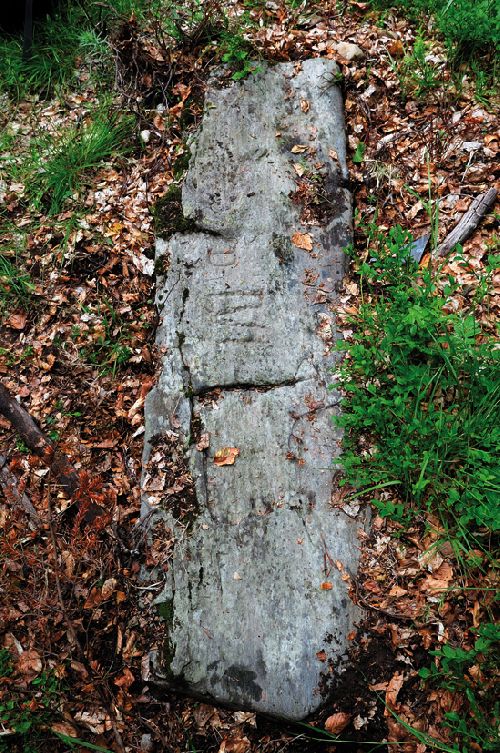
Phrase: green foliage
(423,396)
(236,53)
(25,711)
(15,286)
(75,33)
(417,75)
(109,349)
(452,671)
(57,167)
(469,28)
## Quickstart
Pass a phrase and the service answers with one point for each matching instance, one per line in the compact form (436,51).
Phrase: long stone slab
(255,598)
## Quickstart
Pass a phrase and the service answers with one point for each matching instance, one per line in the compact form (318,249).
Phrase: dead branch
(13,495)
(37,442)
(468,222)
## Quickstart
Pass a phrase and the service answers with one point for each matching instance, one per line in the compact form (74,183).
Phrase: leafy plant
(236,53)
(25,712)
(423,397)
(417,75)
(469,29)
(458,669)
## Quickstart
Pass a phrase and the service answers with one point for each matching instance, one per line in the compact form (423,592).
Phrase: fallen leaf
(18,320)
(302,240)
(337,722)
(299,149)
(64,728)
(29,664)
(332,153)
(393,688)
(321,655)
(304,105)
(326,586)
(125,680)
(226,456)
(234,744)
(108,587)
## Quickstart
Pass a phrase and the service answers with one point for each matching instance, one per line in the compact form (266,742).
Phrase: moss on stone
(167,214)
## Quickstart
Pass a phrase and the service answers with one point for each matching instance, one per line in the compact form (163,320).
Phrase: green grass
(469,28)
(423,388)
(76,34)
(15,287)
(421,416)
(58,166)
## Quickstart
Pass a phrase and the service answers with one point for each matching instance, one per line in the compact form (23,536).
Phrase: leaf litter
(81,356)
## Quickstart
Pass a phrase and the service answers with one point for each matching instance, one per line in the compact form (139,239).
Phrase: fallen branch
(468,222)
(37,442)
(9,485)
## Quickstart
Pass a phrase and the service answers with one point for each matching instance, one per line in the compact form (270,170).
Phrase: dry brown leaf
(326,586)
(64,728)
(18,320)
(299,149)
(304,105)
(125,680)
(234,744)
(226,456)
(29,664)
(108,587)
(337,722)
(302,240)
(393,688)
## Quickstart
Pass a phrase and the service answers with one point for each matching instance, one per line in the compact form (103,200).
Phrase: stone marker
(239,469)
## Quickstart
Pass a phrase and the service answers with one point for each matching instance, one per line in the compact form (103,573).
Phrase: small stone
(146,743)
(145,136)
(349,51)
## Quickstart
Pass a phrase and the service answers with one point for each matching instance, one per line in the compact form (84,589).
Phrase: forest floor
(77,324)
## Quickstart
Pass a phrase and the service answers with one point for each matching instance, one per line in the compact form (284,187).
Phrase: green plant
(109,349)
(72,37)
(471,672)
(15,286)
(58,167)
(26,709)
(417,75)
(422,397)
(236,51)
(469,29)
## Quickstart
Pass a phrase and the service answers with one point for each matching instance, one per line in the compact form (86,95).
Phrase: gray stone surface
(246,332)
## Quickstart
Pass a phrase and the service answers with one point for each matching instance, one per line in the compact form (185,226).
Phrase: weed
(454,669)
(423,398)
(236,51)
(25,708)
(59,167)
(417,75)
(109,335)
(15,286)
(359,153)
(469,29)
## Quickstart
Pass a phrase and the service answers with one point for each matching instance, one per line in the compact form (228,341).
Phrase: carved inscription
(238,313)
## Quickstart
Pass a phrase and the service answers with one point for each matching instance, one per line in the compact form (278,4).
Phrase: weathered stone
(255,600)
(349,51)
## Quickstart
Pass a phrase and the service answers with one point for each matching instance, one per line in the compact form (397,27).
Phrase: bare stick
(37,442)
(468,222)
(15,497)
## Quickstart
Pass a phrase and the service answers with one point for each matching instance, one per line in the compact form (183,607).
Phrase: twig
(17,498)
(468,222)
(37,442)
